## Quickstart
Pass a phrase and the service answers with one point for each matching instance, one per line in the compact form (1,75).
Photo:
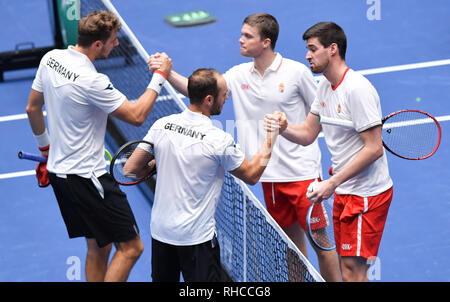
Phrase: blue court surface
(395,34)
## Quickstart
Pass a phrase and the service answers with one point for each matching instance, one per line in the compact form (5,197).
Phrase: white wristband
(157,81)
(43,140)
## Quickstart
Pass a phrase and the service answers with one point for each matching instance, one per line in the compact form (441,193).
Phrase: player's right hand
(155,61)
(166,63)
(283,122)
(276,121)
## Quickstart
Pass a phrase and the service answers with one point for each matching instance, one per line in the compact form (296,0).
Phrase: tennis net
(253,247)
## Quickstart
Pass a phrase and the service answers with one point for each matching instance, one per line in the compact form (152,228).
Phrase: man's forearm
(34,112)
(179,82)
(372,150)
(298,134)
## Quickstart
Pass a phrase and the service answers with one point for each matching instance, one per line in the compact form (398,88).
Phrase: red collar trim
(281,61)
(334,88)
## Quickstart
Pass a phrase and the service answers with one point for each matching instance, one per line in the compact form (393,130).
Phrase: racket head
(319,222)
(121,157)
(411,134)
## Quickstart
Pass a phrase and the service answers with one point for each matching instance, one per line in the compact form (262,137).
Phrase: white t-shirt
(354,99)
(191,158)
(287,86)
(78,100)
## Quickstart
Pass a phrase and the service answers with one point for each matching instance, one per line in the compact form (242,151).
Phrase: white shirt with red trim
(78,100)
(286,86)
(353,99)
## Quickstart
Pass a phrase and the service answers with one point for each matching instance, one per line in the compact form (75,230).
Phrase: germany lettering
(185,131)
(62,70)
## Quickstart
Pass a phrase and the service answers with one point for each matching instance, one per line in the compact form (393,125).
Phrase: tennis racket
(43,159)
(126,165)
(319,223)
(408,134)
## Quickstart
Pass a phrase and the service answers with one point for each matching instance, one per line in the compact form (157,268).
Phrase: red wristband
(161,73)
(44,148)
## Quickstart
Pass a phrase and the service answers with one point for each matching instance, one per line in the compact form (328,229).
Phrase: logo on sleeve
(110,87)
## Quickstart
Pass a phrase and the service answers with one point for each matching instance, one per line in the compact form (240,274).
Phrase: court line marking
(14,117)
(405,67)
(363,72)
(17,174)
(399,67)
(443,118)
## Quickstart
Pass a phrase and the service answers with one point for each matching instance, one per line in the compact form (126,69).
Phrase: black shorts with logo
(87,214)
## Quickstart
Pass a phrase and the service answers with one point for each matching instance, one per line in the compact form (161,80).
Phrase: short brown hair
(96,26)
(201,83)
(267,25)
(328,33)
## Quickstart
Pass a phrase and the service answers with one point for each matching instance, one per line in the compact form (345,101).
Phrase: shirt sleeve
(315,107)
(365,108)
(230,157)
(308,86)
(152,133)
(229,77)
(37,82)
(104,95)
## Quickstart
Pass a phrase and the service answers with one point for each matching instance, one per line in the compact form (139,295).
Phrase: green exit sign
(192,18)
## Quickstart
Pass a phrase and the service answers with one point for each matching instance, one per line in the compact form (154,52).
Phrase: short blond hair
(96,26)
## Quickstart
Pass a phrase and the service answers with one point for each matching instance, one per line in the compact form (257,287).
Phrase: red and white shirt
(353,99)
(286,86)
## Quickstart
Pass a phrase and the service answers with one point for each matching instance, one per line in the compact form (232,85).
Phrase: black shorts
(197,263)
(87,214)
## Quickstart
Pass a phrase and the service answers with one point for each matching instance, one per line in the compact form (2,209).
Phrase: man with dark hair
(267,25)
(328,33)
(78,100)
(190,175)
(271,82)
(360,182)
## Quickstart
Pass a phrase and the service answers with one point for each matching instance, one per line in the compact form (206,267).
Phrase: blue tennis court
(403,47)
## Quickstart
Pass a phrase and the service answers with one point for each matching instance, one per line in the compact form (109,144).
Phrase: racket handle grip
(30,156)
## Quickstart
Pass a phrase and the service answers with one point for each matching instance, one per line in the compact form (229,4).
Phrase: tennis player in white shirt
(192,156)
(360,180)
(271,82)
(78,100)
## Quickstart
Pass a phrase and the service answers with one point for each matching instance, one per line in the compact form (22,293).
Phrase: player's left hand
(320,191)
(42,175)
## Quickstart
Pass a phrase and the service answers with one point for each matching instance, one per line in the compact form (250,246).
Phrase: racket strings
(118,166)
(118,163)
(411,134)
(321,225)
